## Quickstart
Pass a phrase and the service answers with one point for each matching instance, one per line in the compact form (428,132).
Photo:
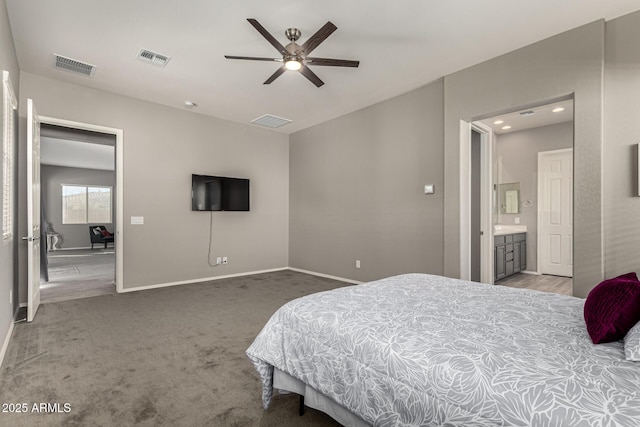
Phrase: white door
(33,210)
(555,212)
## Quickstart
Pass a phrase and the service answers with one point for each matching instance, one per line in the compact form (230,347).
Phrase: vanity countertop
(501,230)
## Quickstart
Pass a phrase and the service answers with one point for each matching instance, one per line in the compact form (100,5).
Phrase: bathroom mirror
(509,198)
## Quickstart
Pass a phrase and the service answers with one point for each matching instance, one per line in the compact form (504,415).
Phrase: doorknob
(30,239)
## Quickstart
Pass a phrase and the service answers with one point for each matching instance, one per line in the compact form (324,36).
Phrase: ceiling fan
(294,56)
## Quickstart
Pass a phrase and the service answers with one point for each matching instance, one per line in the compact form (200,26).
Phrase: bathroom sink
(499,230)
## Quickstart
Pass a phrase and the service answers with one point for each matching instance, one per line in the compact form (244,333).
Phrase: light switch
(137,220)
(428,189)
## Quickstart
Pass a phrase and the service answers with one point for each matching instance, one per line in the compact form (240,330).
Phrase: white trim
(486,201)
(486,217)
(204,279)
(119,231)
(5,345)
(327,276)
(535,273)
(69,249)
(465,200)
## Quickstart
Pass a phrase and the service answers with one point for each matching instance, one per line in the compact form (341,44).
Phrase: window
(9,106)
(83,204)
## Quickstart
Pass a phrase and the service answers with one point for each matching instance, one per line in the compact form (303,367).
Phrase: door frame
(539,195)
(34,211)
(486,201)
(119,225)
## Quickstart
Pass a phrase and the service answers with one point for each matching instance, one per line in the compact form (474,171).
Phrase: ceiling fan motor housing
(292,34)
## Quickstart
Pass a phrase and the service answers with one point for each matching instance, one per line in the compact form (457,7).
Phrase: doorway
(34,283)
(516,139)
(78,177)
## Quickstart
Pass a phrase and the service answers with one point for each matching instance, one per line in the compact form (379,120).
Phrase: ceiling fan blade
(332,62)
(275,75)
(305,71)
(320,35)
(275,43)
(253,58)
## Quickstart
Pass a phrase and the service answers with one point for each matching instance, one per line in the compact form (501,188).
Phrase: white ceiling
(76,154)
(401,45)
(542,116)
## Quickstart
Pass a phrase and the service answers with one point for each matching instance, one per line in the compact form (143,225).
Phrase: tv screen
(218,193)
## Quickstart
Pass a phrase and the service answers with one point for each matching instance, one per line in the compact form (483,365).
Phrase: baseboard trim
(535,273)
(327,276)
(204,279)
(5,345)
(70,249)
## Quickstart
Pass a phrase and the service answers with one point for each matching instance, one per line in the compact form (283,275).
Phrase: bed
(420,349)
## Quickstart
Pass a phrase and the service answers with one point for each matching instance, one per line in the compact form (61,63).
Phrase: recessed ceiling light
(498,122)
(190,104)
(506,127)
(558,109)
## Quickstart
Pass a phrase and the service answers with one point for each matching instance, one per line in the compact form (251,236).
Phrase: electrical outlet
(517,220)
(218,260)
(357,263)
(225,260)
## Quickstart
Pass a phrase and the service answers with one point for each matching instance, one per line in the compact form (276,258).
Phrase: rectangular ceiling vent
(74,66)
(154,58)
(527,113)
(271,121)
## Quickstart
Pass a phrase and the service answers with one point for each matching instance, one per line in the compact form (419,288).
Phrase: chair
(99,234)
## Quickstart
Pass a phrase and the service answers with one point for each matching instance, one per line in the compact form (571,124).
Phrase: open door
(33,210)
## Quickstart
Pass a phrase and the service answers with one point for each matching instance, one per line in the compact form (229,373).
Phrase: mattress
(419,349)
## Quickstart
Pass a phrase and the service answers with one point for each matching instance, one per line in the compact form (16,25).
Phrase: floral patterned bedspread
(418,349)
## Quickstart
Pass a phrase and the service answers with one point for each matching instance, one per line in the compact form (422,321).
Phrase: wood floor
(78,274)
(545,282)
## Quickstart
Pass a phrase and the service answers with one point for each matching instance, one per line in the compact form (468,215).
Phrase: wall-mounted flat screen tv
(219,193)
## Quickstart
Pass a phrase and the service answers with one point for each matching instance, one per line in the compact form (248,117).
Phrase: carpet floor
(79,273)
(171,356)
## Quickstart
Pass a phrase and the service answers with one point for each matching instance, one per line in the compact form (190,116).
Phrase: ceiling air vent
(74,66)
(527,113)
(153,58)
(271,121)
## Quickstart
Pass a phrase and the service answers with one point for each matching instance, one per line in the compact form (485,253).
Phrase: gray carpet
(171,356)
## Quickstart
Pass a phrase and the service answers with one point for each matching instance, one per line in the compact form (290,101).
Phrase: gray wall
(622,134)
(569,64)
(357,190)
(519,155)
(52,178)
(8,62)
(162,147)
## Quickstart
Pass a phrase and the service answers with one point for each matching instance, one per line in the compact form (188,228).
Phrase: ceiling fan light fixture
(292,64)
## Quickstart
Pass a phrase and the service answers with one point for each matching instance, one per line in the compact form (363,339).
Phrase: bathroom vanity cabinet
(509,254)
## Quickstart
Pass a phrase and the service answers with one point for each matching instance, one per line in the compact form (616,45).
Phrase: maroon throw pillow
(612,308)
(105,233)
